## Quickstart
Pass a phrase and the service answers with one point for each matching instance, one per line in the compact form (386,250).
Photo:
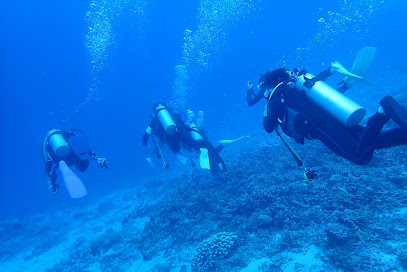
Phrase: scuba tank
(165,119)
(342,108)
(58,143)
(194,128)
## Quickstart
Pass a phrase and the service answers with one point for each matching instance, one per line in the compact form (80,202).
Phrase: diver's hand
(103,162)
(249,86)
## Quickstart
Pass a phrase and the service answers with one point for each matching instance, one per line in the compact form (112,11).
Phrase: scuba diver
(60,150)
(197,141)
(167,125)
(170,128)
(304,106)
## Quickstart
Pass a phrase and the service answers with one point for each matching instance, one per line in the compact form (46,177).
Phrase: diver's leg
(269,123)
(371,137)
(219,148)
(340,140)
(393,137)
(215,161)
(173,142)
(52,178)
(394,111)
(271,113)
(368,136)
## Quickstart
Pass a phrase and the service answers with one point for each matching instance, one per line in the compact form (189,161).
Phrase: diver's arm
(146,136)
(251,97)
(48,166)
(102,161)
(149,131)
(92,155)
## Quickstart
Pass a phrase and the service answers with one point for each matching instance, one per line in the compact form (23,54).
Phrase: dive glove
(102,162)
(249,86)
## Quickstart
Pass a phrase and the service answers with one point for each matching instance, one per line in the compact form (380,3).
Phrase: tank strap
(310,82)
(196,129)
(160,109)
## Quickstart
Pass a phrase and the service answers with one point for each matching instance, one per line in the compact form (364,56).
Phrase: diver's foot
(394,110)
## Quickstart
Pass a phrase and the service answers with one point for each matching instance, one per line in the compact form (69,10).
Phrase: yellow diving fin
(204,159)
(342,70)
(231,141)
(363,61)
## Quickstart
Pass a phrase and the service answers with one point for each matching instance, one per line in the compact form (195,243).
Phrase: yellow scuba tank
(58,143)
(342,108)
(165,119)
(197,136)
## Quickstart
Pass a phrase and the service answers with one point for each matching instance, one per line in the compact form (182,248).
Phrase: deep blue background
(44,76)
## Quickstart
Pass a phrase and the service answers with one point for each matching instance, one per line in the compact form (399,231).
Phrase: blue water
(45,75)
(48,71)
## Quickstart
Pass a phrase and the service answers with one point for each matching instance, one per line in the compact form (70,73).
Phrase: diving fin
(150,162)
(363,61)
(72,182)
(204,159)
(231,141)
(342,70)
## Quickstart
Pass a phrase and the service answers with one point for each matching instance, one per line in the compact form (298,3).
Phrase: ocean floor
(261,215)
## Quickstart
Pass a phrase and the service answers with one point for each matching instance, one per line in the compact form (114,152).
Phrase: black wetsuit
(300,118)
(173,141)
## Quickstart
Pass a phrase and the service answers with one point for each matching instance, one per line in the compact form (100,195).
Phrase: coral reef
(351,218)
(217,247)
(105,242)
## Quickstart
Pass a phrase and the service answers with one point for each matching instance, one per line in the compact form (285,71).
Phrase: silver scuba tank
(58,143)
(197,136)
(165,119)
(333,102)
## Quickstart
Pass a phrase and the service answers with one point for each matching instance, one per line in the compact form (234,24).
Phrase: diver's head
(272,78)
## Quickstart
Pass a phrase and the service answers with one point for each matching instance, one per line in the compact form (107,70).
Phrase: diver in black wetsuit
(70,146)
(167,125)
(170,128)
(197,140)
(300,118)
